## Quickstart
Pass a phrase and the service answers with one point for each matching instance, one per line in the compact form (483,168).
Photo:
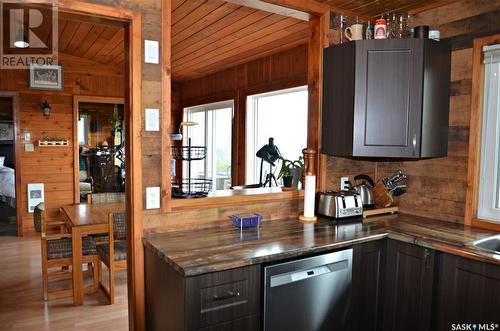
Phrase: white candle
(309,196)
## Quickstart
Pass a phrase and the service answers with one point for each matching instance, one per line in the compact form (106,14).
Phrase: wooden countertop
(226,247)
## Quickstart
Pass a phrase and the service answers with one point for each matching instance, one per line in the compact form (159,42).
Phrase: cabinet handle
(228,295)
(427,257)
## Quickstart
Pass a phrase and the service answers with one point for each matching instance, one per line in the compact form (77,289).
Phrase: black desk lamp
(269,153)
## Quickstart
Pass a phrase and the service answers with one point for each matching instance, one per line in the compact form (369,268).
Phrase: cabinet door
(408,287)
(468,292)
(388,98)
(224,296)
(367,285)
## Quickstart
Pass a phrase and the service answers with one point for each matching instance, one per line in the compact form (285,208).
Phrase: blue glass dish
(246,220)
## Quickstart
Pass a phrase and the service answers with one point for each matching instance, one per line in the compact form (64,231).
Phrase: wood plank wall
(278,71)
(54,166)
(282,70)
(437,186)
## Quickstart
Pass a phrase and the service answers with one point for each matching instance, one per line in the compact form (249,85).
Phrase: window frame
(205,108)
(252,111)
(475,136)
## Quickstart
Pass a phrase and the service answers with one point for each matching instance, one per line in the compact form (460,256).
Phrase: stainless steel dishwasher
(311,294)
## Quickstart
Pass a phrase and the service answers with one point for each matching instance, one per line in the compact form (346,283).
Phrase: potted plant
(291,171)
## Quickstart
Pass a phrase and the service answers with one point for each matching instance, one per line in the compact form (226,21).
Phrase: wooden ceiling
(209,36)
(93,39)
(212,35)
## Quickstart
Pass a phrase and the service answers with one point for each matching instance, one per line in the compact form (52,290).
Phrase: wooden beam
(135,251)
(425,6)
(342,11)
(300,9)
(272,8)
(166,107)
(318,40)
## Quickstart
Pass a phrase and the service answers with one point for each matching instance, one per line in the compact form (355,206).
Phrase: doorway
(100,152)
(8,208)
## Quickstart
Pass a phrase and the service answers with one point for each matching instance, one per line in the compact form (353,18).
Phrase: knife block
(382,196)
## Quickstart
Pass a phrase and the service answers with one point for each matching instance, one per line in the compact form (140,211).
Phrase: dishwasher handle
(298,275)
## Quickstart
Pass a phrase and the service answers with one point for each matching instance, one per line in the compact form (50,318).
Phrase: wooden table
(85,219)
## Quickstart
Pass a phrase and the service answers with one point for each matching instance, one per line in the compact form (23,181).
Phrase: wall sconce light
(178,136)
(46,108)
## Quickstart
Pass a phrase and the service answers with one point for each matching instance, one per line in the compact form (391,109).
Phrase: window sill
(485,224)
(229,198)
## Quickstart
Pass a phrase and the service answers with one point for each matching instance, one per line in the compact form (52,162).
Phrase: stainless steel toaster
(340,204)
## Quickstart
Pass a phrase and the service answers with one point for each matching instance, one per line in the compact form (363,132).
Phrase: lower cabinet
(219,301)
(409,285)
(368,272)
(395,286)
(468,292)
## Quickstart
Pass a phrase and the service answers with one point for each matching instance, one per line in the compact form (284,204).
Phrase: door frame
(133,124)
(76,102)
(17,159)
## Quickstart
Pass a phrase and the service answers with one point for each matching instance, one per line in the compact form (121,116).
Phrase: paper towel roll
(309,196)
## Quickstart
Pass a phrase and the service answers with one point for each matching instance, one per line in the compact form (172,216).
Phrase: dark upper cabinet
(408,287)
(386,98)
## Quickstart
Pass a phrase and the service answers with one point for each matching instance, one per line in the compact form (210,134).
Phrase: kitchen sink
(491,244)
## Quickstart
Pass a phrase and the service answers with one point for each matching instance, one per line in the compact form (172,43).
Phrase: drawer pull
(229,295)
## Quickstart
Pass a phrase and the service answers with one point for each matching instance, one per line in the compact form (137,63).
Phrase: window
(281,115)
(83,130)
(213,130)
(488,207)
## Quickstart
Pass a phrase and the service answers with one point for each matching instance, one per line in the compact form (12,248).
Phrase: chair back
(103,198)
(39,218)
(119,226)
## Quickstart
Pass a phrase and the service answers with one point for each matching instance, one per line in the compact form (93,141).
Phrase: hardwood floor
(22,306)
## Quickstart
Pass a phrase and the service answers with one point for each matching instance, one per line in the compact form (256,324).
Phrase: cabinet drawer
(250,323)
(222,297)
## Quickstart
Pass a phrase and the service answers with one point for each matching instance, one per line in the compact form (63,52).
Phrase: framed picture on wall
(6,131)
(35,195)
(46,77)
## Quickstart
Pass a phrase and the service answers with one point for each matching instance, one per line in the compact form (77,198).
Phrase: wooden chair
(104,198)
(114,253)
(57,253)
(109,197)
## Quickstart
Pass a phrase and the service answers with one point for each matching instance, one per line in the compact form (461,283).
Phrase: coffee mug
(354,32)
(421,32)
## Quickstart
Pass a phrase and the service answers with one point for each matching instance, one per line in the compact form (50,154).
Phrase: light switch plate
(152,197)
(29,147)
(151,51)
(27,136)
(152,119)
(343,185)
